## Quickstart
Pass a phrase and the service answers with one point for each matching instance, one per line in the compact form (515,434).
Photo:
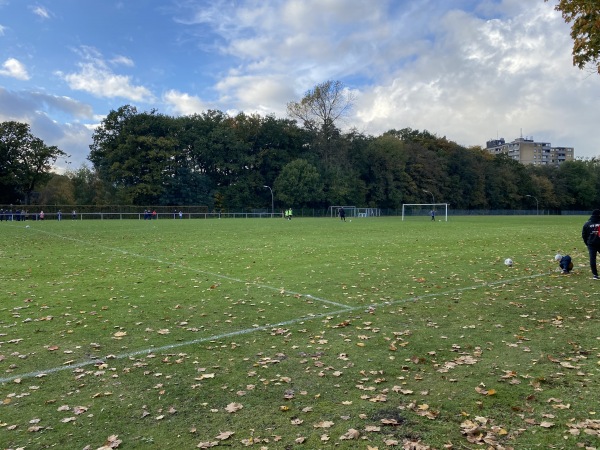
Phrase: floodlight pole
(272,203)
(537,204)
(432,196)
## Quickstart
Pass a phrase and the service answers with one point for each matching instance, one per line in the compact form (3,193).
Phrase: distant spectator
(42,215)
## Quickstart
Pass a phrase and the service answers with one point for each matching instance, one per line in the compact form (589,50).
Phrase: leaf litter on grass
(434,363)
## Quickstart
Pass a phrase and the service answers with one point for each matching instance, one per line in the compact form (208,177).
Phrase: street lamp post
(272,203)
(537,204)
(432,196)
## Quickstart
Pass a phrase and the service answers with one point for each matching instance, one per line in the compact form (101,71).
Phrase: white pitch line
(192,269)
(146,351)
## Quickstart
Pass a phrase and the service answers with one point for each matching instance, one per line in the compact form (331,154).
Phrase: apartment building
(527,151)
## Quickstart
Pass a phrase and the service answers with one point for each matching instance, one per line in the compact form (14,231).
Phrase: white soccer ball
(508,262)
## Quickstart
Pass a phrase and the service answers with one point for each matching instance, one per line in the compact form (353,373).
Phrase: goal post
(424,210)
(353,211)
(350,211)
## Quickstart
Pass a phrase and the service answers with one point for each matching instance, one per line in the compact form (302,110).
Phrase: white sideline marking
(347,309)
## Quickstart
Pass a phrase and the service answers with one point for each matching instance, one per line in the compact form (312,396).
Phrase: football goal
(349,210)
(424,210)
(353,211)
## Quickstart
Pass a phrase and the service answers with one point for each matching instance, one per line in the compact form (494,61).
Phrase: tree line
(235,162)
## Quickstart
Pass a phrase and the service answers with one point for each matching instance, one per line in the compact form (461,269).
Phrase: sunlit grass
(295,333)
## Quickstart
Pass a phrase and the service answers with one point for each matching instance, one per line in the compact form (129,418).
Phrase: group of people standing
(21,215)
(288,214)
(149,215)
(10,215)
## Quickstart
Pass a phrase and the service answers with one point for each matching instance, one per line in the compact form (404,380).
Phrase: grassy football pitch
(309,333)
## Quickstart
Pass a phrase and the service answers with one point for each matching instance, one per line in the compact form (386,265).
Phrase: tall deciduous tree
(584,17)
(322,106)
(136,152)
(299,184)
(319,111)
(25,162)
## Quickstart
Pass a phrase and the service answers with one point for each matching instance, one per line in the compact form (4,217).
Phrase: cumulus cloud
(259,94)
(94,76)
(483,78)
(468,74)
(15,69)
(183,104)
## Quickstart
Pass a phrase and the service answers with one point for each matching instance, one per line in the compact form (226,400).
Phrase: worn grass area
(310,333)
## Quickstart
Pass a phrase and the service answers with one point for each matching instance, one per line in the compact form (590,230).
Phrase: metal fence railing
(52,212)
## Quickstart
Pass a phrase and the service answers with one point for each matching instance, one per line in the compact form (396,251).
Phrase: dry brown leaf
(112,441)
(223,435)
(207,444)
(324,424)
(233,407)
(350,434)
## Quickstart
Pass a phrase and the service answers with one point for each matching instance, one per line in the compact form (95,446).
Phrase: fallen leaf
(223,435)
(324,424)
(350,434)
(233,407)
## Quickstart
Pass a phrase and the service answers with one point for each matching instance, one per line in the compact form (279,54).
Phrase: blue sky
(470,70)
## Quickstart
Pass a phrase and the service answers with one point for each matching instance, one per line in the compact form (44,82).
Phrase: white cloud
(183,104)
(95,77)
(14,69)
(483,78)
(261,94)
(122,61)
(40,11)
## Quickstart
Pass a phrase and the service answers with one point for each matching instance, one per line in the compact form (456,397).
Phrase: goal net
(423,210)
(349,210)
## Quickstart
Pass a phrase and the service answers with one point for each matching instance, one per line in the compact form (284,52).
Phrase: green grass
(175,334)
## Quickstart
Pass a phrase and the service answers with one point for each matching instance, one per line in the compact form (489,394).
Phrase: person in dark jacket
(589,234)
(565,262)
